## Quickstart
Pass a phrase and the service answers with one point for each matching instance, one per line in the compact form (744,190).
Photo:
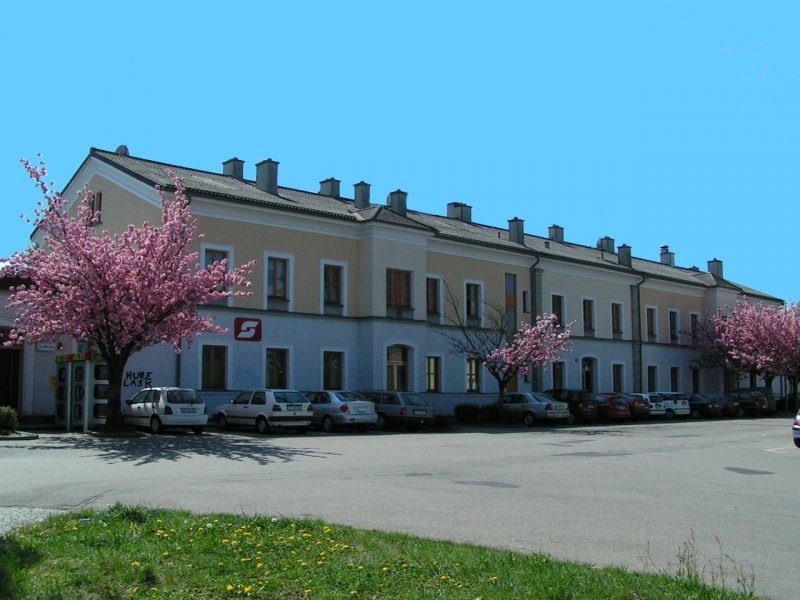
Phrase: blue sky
(654,122)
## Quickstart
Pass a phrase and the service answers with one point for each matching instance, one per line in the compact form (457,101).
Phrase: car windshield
(291,397)
(183,397)
(414,400)
(351,396)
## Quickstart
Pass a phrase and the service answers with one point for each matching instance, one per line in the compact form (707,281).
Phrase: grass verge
(133,552)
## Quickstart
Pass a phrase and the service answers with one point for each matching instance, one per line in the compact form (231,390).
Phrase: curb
(19,436)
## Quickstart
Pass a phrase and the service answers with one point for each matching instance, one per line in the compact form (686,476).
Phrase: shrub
(8,419)
(467,413)
(491,413)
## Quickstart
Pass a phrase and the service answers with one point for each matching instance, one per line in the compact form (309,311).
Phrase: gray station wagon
(408,410)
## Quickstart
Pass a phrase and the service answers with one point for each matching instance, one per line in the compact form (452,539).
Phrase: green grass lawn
(131,552)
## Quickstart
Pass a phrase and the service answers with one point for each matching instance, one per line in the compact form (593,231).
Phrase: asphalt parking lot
(632,495)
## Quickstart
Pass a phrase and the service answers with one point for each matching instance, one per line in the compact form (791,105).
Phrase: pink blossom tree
(533,345)
(118,293)
(762,339)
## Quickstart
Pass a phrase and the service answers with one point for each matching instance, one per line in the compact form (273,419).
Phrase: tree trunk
(114,414)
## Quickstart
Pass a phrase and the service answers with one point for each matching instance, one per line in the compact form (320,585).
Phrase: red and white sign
(247,330)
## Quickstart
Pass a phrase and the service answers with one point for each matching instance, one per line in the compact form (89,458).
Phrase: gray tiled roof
(227,187)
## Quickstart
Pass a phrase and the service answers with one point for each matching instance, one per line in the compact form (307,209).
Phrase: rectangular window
(511,301)
(588,317)
(616,378)
(616,320)
(473,375)
(673,326)
(558,309)
(333,370)
(278,278)
(398,288)
(674,379)
(333,285)
(432,296)
(650,314)
(215,367)
(558,375)
(526,305)
(434,364)
(652,378)
(695,324)
(211,256)
(473,299)
(97,203)
(695,380)
(277,371)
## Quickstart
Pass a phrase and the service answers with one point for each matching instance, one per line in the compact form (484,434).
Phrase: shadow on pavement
(175,446)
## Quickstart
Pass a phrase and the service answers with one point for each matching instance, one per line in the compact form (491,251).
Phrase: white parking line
(779,450)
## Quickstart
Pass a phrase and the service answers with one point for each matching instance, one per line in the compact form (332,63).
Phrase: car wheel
(528,419)
(669,415)
(797,442)
(199,429)
(695,414)
(380,424)
(328,426)
(222,421)
(262,426)
(156,425)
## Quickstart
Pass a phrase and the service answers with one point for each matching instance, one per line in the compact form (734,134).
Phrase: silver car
(530,407)
(336,410)
(265,410)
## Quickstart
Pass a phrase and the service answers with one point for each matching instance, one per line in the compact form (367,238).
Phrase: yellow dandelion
(74,529)
(385,569)
(248,589)
(259,565)
(360,567)
(493,578)
(226,541)
(136,563)
(229,587)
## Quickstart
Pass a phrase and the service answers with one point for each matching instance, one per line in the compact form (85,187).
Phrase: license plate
(188,410)
(420,413)
(361,411)
(293,407)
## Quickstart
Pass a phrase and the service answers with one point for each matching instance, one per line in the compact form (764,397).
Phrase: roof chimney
(361,195)
(267,176)
(606,244)
(667,257)
(233,167)
(516,231)
(555,233)
(460,211)
(397,201)
(624,255)
(329,187)
(715,268)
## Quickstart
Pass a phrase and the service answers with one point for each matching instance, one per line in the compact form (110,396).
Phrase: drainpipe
(636,333)
(534,293)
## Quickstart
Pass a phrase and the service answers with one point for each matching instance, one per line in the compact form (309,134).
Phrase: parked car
(729,405)
(408,410)
(654,402)
(530,408)
(755,400)
(638,406)
(582,403)
(335,410)
(751,401)
(675,404)
(796,429)
(701,405)
(612,407)
(265,410)
(162,408)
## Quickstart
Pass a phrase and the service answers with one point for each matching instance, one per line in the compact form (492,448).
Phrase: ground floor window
(333,370)
(616,378)
(277,372)
(215,367)
(674,379)
(473,375)
(652,378)
(397,368)
(558,375)
(434,375)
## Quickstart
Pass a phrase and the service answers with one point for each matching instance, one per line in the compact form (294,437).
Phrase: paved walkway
(12,517)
